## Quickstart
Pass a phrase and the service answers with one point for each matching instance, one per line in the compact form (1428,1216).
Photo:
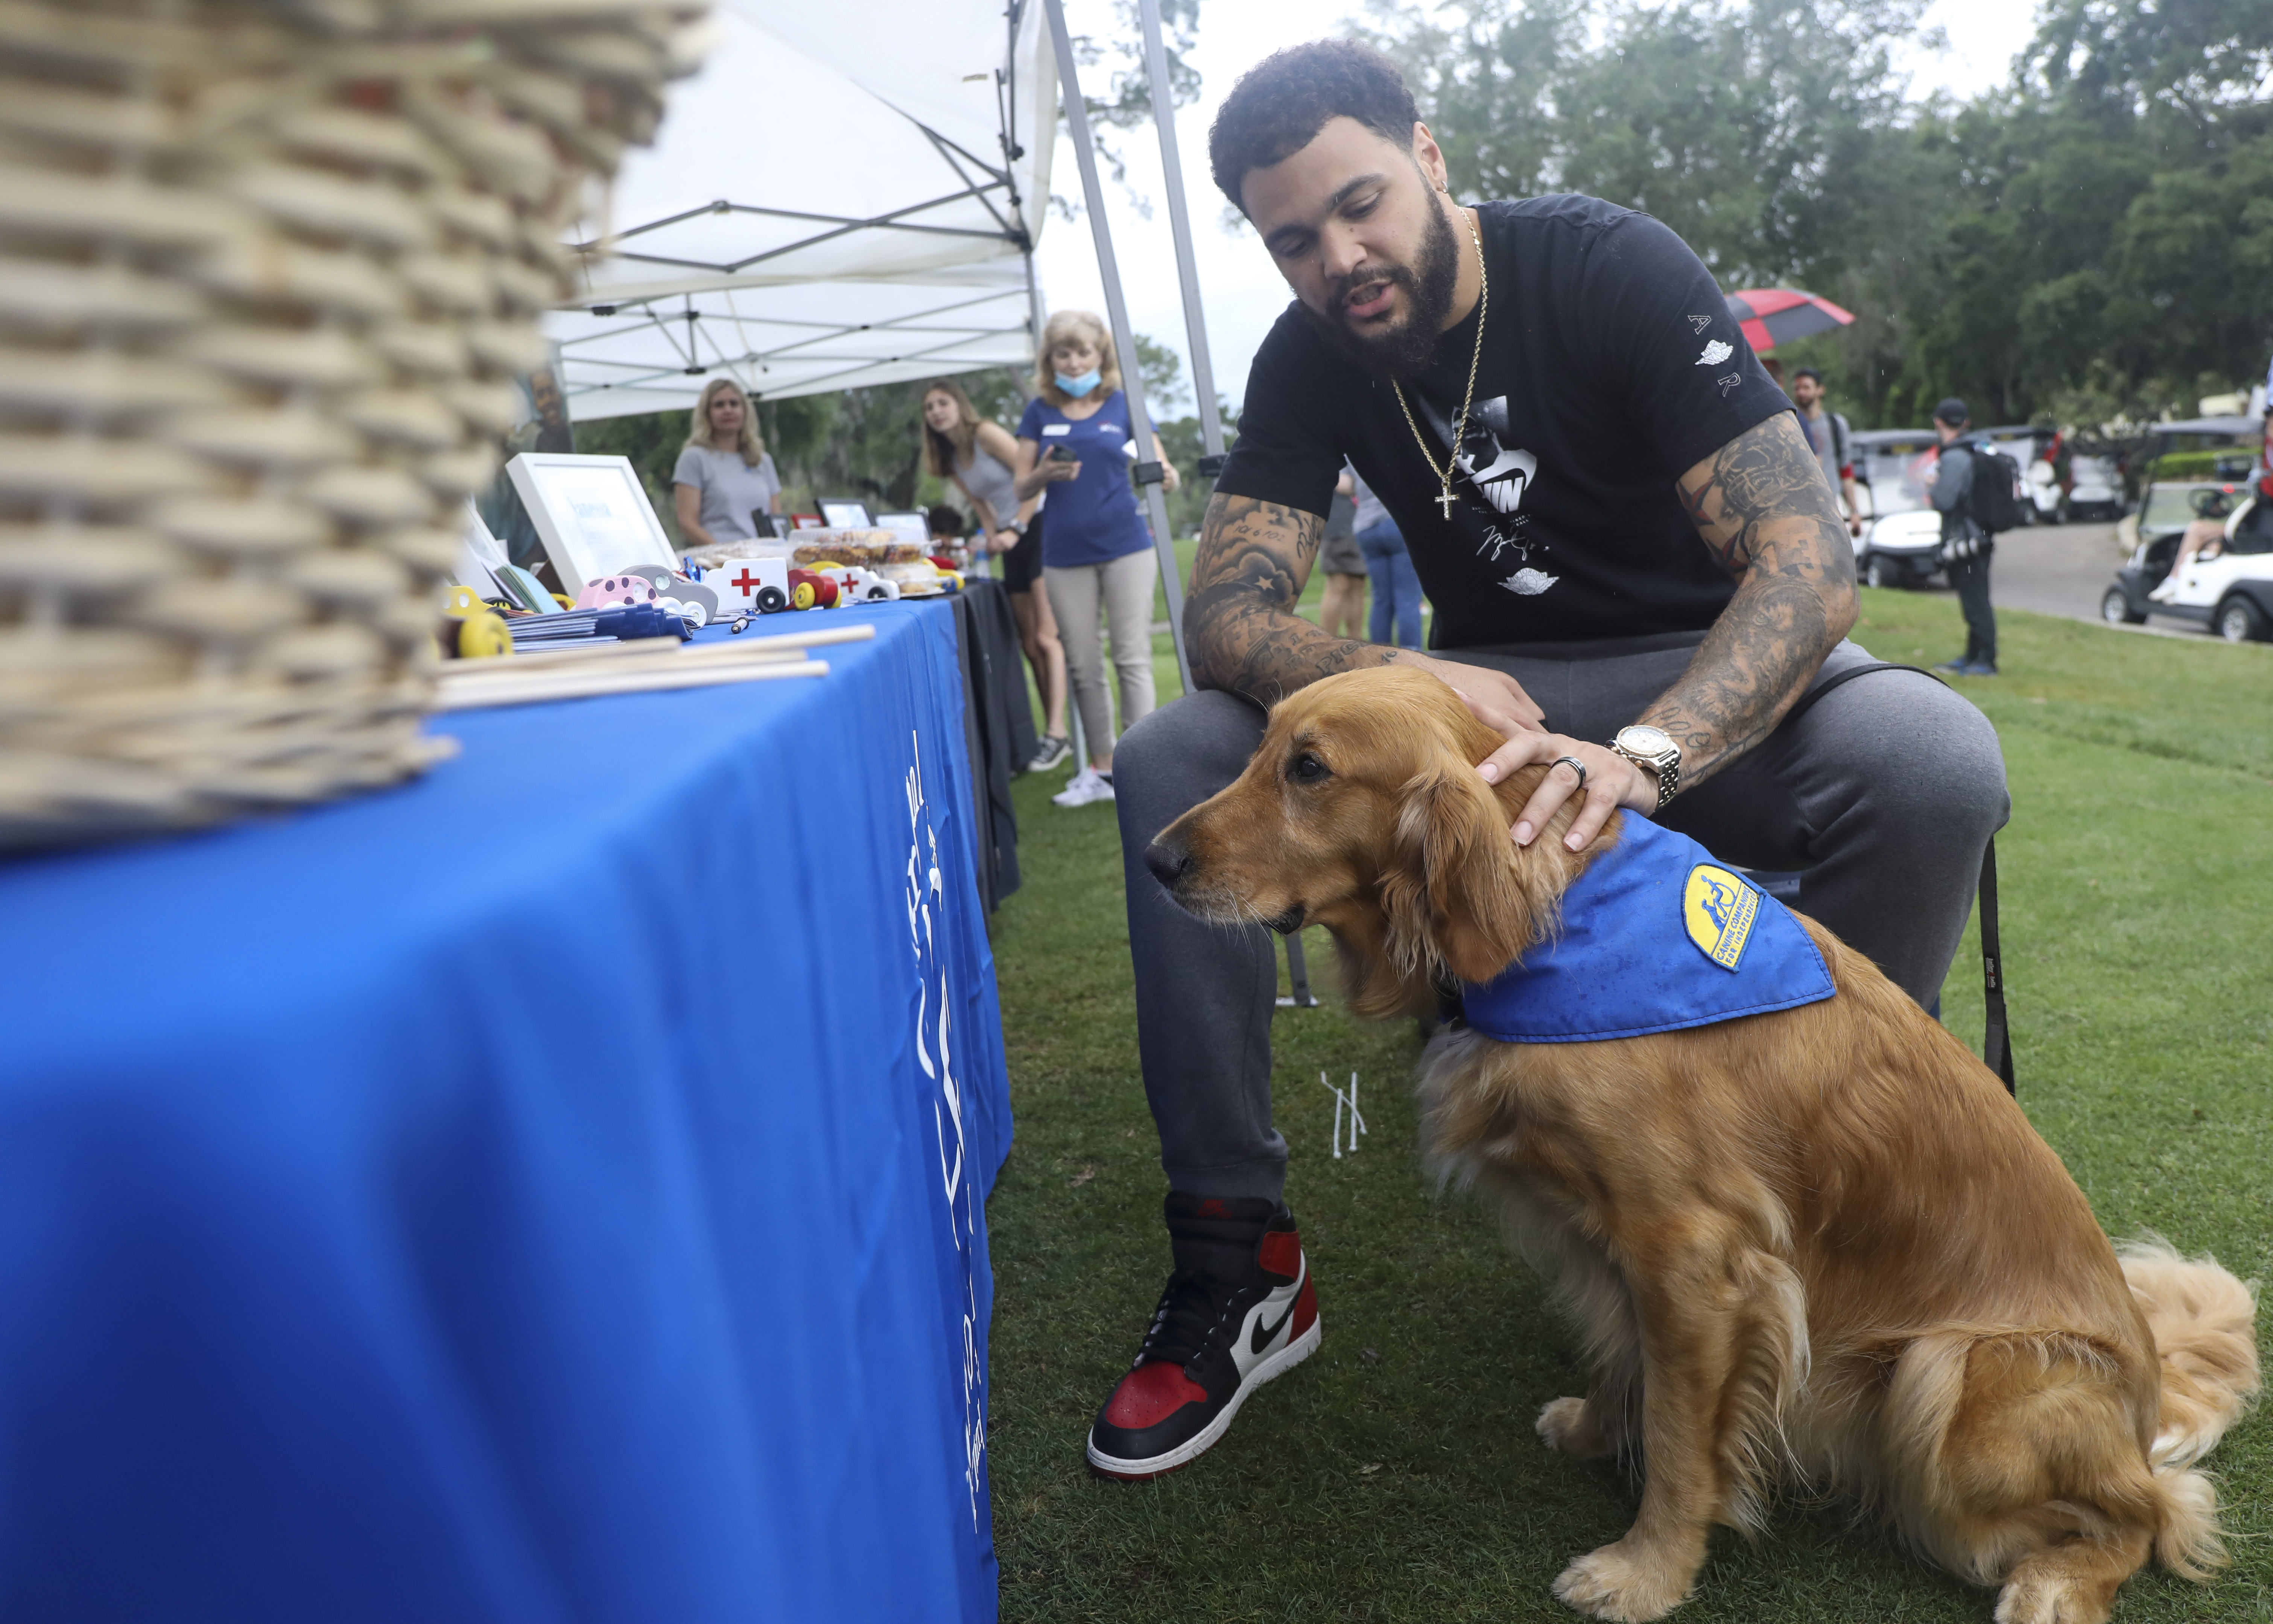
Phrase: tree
(2104,238)
(2087,243)
(1161,370)
(1748,129)
(1127,105)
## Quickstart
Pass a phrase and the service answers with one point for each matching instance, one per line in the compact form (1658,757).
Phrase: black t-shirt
(1611,365)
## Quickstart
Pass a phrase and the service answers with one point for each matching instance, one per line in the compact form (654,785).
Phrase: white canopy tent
(842,195)
(847,196)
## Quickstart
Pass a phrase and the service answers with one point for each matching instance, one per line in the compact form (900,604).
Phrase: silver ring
(1576,766)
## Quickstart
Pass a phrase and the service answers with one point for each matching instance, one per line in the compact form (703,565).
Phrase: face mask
(1082,385)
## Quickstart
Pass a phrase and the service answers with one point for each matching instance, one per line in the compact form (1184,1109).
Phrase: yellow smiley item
(484,636)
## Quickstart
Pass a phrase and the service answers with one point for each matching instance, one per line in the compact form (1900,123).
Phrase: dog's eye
(1308,769)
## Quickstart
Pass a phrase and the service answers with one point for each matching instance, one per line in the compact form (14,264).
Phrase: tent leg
(1298,977)
(1124,343)
(1187,277)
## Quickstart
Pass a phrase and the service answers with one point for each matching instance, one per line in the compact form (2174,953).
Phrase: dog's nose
(1167,859)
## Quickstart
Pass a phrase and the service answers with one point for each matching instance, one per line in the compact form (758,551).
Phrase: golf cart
(1901,543)
(2227,586)
(2095,489)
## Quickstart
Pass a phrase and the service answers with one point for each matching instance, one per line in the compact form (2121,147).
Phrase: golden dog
(1820,1249)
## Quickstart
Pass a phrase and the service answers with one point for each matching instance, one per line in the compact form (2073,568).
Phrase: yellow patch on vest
(1719,909)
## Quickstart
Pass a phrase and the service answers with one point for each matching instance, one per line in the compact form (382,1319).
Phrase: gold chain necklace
(1460,423)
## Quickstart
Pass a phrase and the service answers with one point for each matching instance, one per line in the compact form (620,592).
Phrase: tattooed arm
(1762,506)
(1240,625)
(1243,635)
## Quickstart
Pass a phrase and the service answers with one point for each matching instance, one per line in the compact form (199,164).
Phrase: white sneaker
(1086,786)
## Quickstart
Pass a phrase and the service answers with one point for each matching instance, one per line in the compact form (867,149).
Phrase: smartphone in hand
(1063,454)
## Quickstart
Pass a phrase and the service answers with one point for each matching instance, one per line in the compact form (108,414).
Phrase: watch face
(1645,741)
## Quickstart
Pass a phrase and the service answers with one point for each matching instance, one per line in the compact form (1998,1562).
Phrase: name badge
(1057,428)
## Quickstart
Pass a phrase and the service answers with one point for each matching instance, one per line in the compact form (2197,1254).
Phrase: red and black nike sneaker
(1239,1309)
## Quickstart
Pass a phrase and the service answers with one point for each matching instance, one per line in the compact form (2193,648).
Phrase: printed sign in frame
(591,513)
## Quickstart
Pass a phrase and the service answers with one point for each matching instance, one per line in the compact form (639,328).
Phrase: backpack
(1993,501)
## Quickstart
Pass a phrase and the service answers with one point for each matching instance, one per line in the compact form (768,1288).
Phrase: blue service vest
(1656,936)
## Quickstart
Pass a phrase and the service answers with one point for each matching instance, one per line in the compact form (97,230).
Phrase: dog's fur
(1820,1249)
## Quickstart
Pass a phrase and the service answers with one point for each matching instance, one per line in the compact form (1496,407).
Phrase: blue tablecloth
(552,1190)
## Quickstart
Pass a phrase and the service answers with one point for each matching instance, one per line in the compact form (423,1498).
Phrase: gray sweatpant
(1123,588)
(1885,792)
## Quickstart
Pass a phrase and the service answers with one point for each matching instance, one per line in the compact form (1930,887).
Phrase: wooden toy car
(810,588)
(746,585)
(862,585)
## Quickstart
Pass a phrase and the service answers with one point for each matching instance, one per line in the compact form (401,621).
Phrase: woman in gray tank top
(975,454)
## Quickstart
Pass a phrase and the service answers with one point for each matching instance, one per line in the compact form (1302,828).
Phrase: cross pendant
(1445,502)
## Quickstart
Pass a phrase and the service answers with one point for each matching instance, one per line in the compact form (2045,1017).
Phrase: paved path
(2055,568)
(2065,569)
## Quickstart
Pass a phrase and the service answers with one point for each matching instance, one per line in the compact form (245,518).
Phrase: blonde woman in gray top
(725,474)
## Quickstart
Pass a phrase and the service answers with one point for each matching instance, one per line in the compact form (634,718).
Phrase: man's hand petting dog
(1612,781)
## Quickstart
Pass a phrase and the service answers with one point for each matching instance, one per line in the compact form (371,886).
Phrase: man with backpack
(1830,438)
(1973,488)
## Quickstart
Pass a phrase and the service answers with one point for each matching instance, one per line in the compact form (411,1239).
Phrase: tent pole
(1124,342)
(1187,275)
(1033,309)
(1180,224)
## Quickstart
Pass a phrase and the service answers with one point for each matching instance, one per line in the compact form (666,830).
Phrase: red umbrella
(1774,316)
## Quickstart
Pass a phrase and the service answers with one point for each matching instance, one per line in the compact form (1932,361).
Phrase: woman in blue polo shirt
(1076,442)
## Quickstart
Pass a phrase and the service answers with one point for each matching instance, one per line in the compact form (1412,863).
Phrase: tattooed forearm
(1762,508)
(1240,625)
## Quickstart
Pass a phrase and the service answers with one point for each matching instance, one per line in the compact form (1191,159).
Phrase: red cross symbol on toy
(745,581)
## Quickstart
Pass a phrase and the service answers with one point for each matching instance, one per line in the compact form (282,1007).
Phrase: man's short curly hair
(1281,103)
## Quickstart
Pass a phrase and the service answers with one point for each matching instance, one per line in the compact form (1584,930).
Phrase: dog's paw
(1565,1427)
(1617,1582)
(2041,1598)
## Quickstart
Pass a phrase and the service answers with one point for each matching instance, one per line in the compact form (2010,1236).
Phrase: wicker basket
(266,273)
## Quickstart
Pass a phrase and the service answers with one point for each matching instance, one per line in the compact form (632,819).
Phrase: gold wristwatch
(1652,749)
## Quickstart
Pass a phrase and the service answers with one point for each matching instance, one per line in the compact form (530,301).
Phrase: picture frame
(843,513)
(911,527)
(807,522)
(592,515)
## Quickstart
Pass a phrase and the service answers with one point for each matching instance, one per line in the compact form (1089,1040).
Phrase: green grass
(2138,893)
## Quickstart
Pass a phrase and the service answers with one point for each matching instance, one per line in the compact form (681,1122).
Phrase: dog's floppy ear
(1453,891)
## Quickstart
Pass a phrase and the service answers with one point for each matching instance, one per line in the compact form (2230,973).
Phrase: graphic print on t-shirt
(1501,474)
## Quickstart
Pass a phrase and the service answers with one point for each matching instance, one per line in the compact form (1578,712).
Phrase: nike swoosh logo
(1264,1334)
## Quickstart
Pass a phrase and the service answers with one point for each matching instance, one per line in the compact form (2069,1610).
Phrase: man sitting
(1637,566)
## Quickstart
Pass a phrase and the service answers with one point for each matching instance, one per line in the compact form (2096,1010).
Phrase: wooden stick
(775,647)
(539,687)
(645,652)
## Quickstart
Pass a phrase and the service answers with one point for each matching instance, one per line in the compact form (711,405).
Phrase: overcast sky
(1241,292)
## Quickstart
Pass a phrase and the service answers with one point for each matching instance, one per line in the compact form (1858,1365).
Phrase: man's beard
(1408,347)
